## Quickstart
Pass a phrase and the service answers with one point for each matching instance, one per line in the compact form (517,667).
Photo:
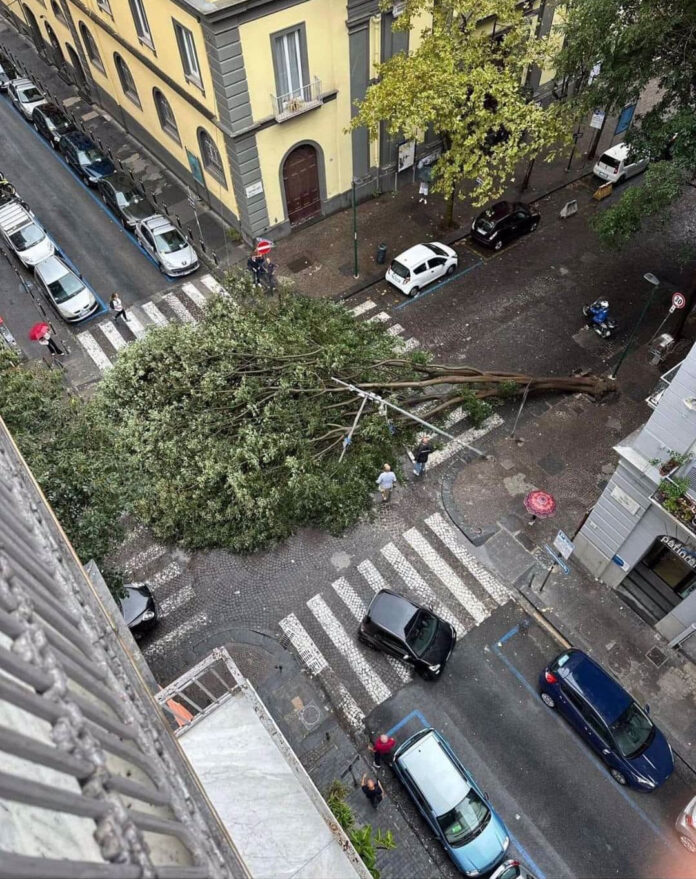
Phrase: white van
(614,166)
(24,235)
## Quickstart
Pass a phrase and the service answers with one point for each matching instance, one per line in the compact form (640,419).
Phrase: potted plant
(671,493)
(672,462)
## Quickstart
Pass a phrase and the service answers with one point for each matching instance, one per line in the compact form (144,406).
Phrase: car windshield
(66,287)
(28,96)
(609,160)
(89,156)
(27,237)
(438,250)
(461,824)
(170,241)
(485,224)
(59,123)
(421,631)
(633,731)
(400,269)
(126,197)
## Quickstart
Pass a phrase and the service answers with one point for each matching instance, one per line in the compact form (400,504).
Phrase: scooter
(597,318)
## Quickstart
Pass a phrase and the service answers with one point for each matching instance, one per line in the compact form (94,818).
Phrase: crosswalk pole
(377,399)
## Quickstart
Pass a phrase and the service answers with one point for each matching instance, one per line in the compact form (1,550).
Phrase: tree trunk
(449,211)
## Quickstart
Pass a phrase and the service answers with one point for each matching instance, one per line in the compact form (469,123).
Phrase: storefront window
(674,563)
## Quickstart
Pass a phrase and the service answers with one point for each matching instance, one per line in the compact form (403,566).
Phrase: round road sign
(678,300)
(263,246)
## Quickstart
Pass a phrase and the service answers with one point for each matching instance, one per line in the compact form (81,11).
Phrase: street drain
(310,715)
(299,264)
(656,656)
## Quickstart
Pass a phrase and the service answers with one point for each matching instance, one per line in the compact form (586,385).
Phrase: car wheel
(688,843)
(414,291)
(451,269)
(618,777)
(532,228)
(548,700)
(621,179)
(498,244)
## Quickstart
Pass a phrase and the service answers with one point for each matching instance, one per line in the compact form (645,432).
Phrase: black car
(82,154)
(8,72)
(138,608)
(125,199)
(502,222)
(51,123)
(411,633)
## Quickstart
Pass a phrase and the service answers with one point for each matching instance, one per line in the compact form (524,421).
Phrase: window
(187,50)
(211,155)
(141,25)
(105,6)
(91,47)
(165,114)
(290,62)
(58,12)
(127,81)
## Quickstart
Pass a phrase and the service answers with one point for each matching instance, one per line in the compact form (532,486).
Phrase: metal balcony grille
(297,101)
(92,783)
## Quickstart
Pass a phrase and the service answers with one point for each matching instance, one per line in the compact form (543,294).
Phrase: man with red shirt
(382,749)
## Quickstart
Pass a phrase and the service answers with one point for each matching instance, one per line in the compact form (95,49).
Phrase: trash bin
(381,254)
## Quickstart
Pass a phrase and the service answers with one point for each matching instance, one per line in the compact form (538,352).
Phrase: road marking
(469,437)
(380,318)
(430,290)
(180,309)
(194,294)
(170,572)
(407,344)
(375,580)
(356,606)
(417,584)
(473,606)
(113,335)
(155,315)
(368,677)
(172,602)
(146,557)
(95,351)
(447,534)
(212,285)
(134,324)
(395,330)
(362,308)
(181,631)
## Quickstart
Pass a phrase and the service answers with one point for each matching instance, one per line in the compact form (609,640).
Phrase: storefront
(662,579)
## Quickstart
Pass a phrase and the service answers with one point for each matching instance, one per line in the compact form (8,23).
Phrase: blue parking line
(513,631)
(66,259)
(528,859)
(597,763)
(430,290)
(401,723)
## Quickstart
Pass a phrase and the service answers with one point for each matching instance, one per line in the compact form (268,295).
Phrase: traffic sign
(263,246)
(557,560)
(678,300)
(563,544)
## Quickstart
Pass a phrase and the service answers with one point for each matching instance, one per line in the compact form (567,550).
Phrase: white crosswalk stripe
(95,351)
(170,572)
(194,294)
(380,318)
(447,534)
(135,324)
(407,344)
(439,456)
(346,645)
(375,580)
(179,309)
(155,315)
(172,602)
(193,624)
(112,334)
(475,608)
(395,330)
(417,584)
(134,564)
(212,285)
(362,308)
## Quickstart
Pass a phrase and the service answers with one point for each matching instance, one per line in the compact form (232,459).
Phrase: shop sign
(626,501)
(685,553)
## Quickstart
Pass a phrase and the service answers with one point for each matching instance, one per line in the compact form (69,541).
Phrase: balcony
(298,101)
(675,496)
(662,385)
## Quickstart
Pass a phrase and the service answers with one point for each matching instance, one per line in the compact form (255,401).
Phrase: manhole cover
(656,656)
(310,715)
(297,265)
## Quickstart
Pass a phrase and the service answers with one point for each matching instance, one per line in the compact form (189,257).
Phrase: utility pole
(651,279)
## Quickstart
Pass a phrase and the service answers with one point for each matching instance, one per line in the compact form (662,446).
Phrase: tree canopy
(468,87)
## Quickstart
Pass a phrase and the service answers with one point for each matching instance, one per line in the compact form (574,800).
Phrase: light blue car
(451,802)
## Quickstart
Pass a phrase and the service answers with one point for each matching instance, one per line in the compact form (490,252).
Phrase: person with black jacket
(421,455)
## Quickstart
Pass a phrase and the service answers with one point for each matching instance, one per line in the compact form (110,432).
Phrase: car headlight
(494,235)
(646,782)
(473,225)
(148,615)
(435,669)
(472,872)
(506,842)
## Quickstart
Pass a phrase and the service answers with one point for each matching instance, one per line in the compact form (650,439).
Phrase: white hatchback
(420,265)
(25,96)
(64,290)
(616,164)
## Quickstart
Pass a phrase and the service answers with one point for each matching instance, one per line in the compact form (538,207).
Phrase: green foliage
(336,801)
(508,389)
(467,88)
(673,489)
(477,410)
(365,845)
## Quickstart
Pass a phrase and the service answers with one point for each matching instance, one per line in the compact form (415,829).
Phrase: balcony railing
(299,100)
(664,382)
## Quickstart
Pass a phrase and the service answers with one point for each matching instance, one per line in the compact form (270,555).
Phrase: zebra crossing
(383,317)
(441,574)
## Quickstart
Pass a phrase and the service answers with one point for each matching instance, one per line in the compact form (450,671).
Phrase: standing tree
(468,87)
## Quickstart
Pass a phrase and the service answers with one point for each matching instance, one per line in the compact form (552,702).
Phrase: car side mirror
(606,752)
(406,656)
(647,708)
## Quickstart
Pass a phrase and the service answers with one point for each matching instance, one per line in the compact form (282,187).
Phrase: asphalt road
(91,238)
(565,814)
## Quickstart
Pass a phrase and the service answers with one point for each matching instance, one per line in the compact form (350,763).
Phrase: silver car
(25,96)
(686,826)
(67,293)
(166,245)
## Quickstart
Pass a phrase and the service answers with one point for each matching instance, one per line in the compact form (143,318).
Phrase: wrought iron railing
(663,383)
(298,101)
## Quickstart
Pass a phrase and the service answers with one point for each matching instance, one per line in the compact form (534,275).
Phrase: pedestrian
(421,455)
(423,190)
(386,481)
(372,790)
(255,266)
(116,306)
(382,749)
(268,269)
(47,339)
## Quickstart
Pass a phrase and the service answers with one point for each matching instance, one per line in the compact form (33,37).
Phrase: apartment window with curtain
(141,24)
(290,61)
(91,47)
(212,161)
(189,58)
(165,114)
(126,78)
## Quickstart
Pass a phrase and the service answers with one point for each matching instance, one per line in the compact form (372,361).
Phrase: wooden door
(301,182)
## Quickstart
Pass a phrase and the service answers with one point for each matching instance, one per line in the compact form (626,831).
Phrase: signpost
(263,246)
(564,544)
(678,300)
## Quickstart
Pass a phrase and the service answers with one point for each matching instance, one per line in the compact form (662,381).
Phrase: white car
(420,265)
(25,96)
(64,290)
(166,245)
(615,166)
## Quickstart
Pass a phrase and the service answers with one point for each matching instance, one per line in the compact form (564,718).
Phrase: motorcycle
(597,318)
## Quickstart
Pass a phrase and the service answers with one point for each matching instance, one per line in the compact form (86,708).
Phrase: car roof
(51,269)
(415,255)
(437,777)
(50,110)
(391,611)
(607,697)
(619,151)
(499,210)
(158,223)
(78,138)
(21,81)
(119,180)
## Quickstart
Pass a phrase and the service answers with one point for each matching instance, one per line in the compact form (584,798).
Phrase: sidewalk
(566,449)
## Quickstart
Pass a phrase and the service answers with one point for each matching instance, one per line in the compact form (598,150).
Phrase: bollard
(381,256)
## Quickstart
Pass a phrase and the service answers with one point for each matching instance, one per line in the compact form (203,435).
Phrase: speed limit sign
(678,300)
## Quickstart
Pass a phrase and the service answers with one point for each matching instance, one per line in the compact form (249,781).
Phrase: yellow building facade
(246,101)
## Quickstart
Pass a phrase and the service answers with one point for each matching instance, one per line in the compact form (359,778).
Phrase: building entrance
(662,578)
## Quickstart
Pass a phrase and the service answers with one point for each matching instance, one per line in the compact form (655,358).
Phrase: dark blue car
(82,154)
(610,721)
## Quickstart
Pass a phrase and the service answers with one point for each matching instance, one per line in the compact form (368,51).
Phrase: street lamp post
(356,273)
(651,279)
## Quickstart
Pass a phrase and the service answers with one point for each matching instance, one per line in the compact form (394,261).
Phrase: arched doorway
(34,31)
(78,72)
(301,183)
(56,51)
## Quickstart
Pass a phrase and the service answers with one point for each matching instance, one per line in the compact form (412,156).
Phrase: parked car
(25,96)
(617,165)
(8,72)
(686,826)
(23,234)
(409,632)
(166,245)
(421,264)
(512,870)
(125,199)
(503,222)
(611,722)
(82,154)
(451,802)
(51,123)
(65,291)
(138,608)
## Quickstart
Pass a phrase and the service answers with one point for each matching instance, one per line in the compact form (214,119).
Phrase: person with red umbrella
(41,333)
